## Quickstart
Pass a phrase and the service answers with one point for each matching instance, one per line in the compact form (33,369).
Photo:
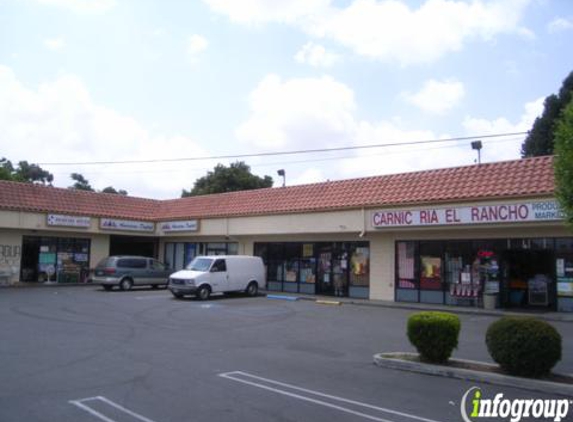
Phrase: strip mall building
(480,235)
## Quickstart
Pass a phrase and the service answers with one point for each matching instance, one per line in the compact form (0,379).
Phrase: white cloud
(437,97)
(59,122)
(504,149)
(196,45)
(560,24)
(81,6)
(298,113)
(389,30)
(316,55)
(252,12)
(55,44)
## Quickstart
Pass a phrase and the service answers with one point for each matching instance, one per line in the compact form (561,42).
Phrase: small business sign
(179,226)
(68,221)
(126,225)
(479,214)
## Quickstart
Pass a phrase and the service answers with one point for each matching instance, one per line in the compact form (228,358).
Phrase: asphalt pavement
(84,355)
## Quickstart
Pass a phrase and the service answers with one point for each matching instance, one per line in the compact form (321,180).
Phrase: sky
(174,82)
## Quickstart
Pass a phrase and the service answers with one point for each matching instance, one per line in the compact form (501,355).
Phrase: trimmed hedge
(434,335)
(524,346)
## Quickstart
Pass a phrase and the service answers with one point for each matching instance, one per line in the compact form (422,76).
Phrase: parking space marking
(308,395)
(81,404)
(163,296)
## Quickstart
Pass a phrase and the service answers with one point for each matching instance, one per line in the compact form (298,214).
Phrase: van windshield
(200,264)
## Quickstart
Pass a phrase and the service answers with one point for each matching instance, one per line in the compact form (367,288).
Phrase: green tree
(111,189)
(24,172)
(564,161)
(222,179)
(540,140)
(81,183)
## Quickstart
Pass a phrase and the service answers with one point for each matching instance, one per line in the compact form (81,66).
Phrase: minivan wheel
(252,289)
(125,284)
(203,293)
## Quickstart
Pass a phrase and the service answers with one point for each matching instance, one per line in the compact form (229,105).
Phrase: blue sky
(116,80)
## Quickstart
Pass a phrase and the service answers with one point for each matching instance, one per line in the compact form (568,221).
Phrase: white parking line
(257,381)
(81,404)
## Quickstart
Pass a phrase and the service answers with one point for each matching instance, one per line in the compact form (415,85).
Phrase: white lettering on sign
(68,221)
(126,225)
(479,214)
(180,226)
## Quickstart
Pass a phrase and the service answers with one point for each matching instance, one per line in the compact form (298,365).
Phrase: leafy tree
(25,172)
(111,189)
(81,182)
(6,169)
(222,179)
(564,161)
(540,140)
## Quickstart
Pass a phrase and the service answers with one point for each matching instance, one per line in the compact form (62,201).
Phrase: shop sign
(126,225)
(180,226)
(479,214)
(68,221)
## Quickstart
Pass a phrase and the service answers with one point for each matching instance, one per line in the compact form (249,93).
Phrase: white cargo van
(215,274)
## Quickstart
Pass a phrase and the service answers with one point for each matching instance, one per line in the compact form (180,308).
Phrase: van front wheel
(203,293)
(252,289)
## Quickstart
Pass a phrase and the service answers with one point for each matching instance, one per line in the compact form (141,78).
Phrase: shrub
(434,334)
(524,346)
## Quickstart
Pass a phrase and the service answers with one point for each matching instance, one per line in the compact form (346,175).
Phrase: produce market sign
(68,221)
(179,226)
(126,225)
(479,214)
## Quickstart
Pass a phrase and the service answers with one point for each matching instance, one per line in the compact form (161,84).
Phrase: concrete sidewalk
(545,315)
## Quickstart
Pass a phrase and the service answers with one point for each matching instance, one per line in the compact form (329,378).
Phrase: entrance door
(529,279)
(333,273)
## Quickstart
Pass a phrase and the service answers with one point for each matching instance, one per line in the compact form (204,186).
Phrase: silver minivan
(127,271)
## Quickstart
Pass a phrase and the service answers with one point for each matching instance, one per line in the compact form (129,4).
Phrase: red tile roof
(510,179)
(38,198)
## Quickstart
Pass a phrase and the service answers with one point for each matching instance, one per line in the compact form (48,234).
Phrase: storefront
(505,271)
(55,259)
(324,268)
(510,273)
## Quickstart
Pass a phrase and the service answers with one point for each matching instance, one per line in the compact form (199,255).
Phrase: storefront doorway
(529,279)
(133,245)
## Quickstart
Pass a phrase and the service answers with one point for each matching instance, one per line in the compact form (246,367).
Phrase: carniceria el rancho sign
(477,214)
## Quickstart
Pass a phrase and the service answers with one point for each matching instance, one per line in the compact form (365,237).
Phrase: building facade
(487,235)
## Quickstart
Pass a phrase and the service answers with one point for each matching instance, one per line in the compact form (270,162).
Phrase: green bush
(434,334)
(524,346)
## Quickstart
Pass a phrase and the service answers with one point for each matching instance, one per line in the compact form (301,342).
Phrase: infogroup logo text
(513,410)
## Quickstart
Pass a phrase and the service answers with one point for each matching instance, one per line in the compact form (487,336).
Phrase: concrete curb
(392,361)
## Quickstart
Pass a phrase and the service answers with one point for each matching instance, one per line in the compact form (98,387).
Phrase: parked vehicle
(128,271)
(215,274)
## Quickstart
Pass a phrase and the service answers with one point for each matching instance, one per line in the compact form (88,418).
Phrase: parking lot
(81,354)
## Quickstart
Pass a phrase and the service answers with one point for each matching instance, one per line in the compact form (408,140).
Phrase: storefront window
(53,259)
(333,268)
(430,266)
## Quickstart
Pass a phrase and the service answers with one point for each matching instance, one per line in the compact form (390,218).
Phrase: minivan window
(200,264)
(156,265)
(219,266)
(106,262)
(131,263)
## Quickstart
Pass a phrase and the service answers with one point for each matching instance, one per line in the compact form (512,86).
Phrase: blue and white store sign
(126,225)
(179,226)
(68,221)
